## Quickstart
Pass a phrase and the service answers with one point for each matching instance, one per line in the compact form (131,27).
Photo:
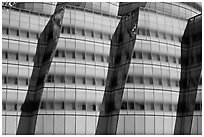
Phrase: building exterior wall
(152,89)
(78,68)
(75,85)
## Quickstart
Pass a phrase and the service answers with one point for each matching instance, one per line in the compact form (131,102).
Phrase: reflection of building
(76,82)
(191,66)
(152,82)
(76,79)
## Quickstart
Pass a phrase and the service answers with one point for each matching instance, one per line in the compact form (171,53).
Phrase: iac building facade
(102,68)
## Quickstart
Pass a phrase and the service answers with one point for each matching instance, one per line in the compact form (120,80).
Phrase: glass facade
(77,78)
(153,81)
(191,66)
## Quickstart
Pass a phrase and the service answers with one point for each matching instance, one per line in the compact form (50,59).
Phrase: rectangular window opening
(101,35)
(166,59)
(124,105)
(84,80)
(92,34)
(16,81)
(93,81)
(37,35)
(160,81)
(57,53)
(158,57)
(27,34)
(83,107)
(83,56)
(73,55)
(156,34)
(27,57)
(73,106)
(151,81)
(17,33)
(134,55)
(6,55)
(94,107)
(62,105)
(7,31)
(168,82)
(5,80)
(102,60)
(83,32)
(141,106)
(62,31)
(62,79)
(161,107)
(73,80)
(149,56)
(16,56)
(26,81)
(152,106)
(73,30)
(103,82)
(141,80)
(93,57)
(131,105)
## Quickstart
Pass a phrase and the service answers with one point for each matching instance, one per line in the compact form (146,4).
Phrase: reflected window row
(57,105)
(93,81)
(156,57)
(17,56)
(58,54)
(82,106)
(156,34)
(14,80)
(61,105)
(55,79)
(64,30)
(85,32)
(152,81)
(130,105)
(20,33)
(75,80)
(80,55)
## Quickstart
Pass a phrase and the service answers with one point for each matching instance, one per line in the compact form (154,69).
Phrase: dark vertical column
(122,45)
(191,65)
(44,54)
